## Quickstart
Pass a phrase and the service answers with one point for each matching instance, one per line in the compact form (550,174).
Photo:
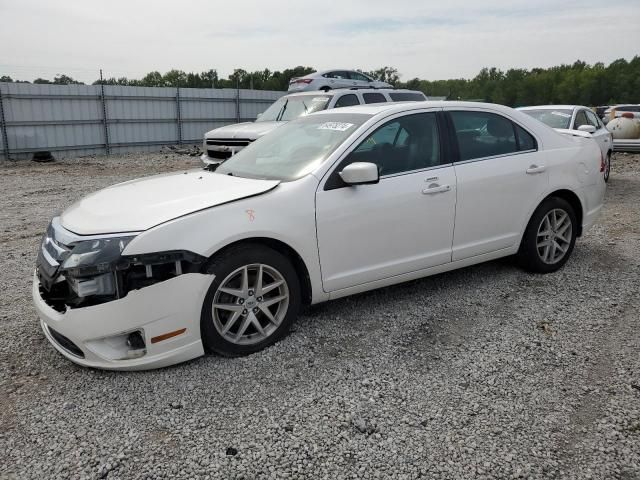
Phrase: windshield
(290,108)
(553,118)
(295,149)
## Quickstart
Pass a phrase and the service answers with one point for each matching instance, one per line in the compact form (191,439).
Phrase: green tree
(62,79)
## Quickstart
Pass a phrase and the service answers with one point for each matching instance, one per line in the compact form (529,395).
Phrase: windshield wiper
(282,110)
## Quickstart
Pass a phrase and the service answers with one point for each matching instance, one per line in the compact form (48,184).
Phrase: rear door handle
(533,169)
(435,188)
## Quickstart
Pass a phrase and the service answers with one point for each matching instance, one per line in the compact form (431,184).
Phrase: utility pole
(104,116)
(237,98)
(3,127)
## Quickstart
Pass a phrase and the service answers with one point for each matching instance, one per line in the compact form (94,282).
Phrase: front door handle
(435,188)
(533,169)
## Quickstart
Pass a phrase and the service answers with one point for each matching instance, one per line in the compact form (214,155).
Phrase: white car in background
(576,118)
(157,271)
(224,142)
(331,79)
(632,108)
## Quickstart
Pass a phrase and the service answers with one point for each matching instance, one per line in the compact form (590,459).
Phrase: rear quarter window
(374,98)
(407,96)
(525,140)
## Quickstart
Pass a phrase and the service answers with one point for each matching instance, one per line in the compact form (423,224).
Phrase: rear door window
(337,74)
(483,134)
(374,98)
(347,101)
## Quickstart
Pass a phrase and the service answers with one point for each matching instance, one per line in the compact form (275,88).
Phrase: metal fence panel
(73,120)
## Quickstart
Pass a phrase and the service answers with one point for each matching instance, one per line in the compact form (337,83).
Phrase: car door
(341,79)
(359,80)
(337,79)
(402,224)
(501,176)
(601,135)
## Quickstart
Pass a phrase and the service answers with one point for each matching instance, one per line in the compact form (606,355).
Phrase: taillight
(302,80)
(602,164)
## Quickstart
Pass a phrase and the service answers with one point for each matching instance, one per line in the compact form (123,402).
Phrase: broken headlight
(90,265)
(94,257)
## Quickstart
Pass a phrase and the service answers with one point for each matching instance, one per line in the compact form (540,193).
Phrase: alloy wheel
(554,236)
(250,304)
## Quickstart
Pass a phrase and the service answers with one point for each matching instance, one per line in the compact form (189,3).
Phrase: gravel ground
(486,372)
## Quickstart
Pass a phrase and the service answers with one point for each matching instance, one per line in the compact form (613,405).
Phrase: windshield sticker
(319,99)
(337,126)
(561,114)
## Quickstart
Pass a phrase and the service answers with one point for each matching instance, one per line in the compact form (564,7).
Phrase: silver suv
(222,143)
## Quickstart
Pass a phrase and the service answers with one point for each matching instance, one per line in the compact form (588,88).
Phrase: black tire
(224,265)
(325,89)
(607,167)
(529,255)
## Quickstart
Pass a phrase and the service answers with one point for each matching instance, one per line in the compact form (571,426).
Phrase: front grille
(65,343)
(218,155)
(229,142)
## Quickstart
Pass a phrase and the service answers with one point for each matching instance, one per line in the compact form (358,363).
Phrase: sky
(425,39)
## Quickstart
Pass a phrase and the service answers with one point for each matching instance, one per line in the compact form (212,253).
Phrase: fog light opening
(135,342)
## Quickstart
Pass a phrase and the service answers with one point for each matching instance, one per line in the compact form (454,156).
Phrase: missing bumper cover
(63,290)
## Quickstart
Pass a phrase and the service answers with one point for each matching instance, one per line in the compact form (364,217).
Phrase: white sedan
(576,118)
(157,271)
(331,79)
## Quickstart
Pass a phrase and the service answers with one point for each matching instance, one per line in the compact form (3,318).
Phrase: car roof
(552,107)
(322,72)
(351,90)
(392,107)
(338,70)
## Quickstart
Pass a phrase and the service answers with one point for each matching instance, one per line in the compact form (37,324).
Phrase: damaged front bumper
(101,308)
(164,316)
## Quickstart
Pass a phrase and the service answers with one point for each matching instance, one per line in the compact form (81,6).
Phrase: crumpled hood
(141,204)
(250,130)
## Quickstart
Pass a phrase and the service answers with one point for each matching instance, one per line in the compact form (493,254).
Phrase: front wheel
(252,301)
(550,237)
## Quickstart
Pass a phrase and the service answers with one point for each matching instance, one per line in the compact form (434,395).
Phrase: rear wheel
(325,89)
(607,167)
(550,237)
(252,301)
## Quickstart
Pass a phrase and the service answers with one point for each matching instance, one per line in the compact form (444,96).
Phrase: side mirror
(587,128)
(360,173)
